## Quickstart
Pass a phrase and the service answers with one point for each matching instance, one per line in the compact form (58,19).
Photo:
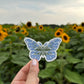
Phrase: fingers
(28,74)
(22,74)
(32,77)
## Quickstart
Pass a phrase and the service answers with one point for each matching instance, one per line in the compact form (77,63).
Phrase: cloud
(41,11)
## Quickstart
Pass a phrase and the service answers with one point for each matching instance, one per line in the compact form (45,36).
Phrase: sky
(42,11)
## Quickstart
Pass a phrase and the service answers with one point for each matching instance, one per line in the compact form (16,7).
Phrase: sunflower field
(68,68)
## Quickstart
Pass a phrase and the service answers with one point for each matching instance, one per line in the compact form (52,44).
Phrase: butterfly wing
(32,45)
(50,56)
(35,55)
(53,45)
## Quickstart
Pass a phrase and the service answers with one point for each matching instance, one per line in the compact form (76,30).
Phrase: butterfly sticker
(47,50)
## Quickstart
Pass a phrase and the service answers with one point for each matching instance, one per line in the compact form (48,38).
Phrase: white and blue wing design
(53,45)
(32,45)
(47,51)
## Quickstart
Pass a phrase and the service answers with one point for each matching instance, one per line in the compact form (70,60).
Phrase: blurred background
(42,21)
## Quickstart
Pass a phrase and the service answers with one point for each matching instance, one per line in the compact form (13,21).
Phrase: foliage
(68,68)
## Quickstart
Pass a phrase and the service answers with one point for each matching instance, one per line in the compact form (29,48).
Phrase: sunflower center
(0,34)
(40,27)
(83,24)
(74,27)
(29,24)
(79,30)
(4,30)
(65,37)
(18,29)
(58,33)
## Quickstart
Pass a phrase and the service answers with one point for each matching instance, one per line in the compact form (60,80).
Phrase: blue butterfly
(47,51)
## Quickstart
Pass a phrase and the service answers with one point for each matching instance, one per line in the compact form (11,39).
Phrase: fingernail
(34,62)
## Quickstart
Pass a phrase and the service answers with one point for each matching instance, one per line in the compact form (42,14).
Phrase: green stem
(61,67)
(10,50)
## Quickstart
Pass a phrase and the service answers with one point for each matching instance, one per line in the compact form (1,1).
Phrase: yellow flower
(0,27)
(41,27)
(23,30)
(29,24)
(17,29)
(44,30)
(27,33)
(74,27)
(5,34)
(82,24)
(4,29)
(79,29)
(60,29)
(58,33)
(10,32)
(2,35)
(65,38)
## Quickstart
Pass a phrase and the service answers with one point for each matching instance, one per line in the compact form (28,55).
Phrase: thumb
(32,77)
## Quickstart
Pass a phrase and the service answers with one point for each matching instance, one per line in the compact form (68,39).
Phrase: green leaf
(18,44)
(58,77)
(56,64)
(73,42)
(1,82)
(82,35)
(12,37)
(80,54)
(80,66)
(46,73)
(52,64)
(20,60)
(73,60)
(72,76)
(83,60)
(50,82)
(3,56)
(61,62)
(6,41)
(80,48)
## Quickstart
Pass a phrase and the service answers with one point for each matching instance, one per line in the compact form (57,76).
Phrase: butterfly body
(47,50)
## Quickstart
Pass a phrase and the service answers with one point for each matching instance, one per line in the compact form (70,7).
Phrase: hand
(28,74)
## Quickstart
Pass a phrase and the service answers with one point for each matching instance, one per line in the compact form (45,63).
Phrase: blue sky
(42,11)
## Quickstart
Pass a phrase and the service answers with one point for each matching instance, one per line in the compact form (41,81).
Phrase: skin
(28,74)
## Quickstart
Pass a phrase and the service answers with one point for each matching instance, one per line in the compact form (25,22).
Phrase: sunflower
(79,29)
(4,29)
(82,24)
(23,30)
(44,30)
(58,33)
(65,38)
(2,35)
(10,32)
(27,33)
(29,24)
(17,29)
(41,27)
(60,29)
(5,34)
(0,27)
(74,27)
